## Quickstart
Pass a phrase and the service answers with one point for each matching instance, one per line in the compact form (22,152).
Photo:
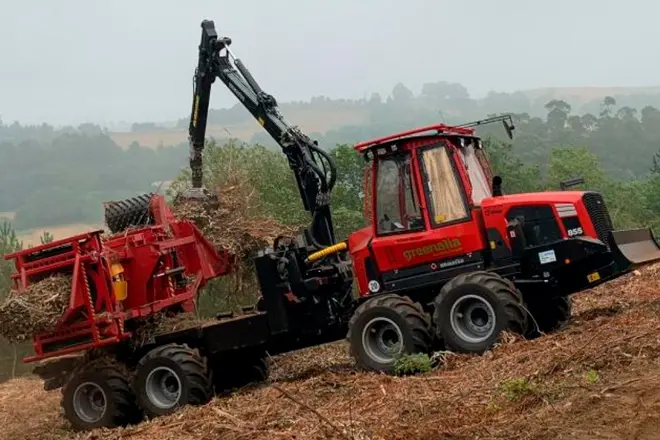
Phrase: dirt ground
(597,379)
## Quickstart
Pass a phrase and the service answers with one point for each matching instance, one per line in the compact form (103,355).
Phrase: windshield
(444,189)
(478,178)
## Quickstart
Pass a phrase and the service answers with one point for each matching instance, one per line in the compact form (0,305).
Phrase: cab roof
(438,129)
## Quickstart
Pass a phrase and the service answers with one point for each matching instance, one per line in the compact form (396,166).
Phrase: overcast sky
(70,61)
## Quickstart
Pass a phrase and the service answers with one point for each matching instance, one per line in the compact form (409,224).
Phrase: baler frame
(168,252)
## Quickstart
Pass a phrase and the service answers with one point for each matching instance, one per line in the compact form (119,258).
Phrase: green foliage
(46,237)
(267,171)
(592,376)
(54,177)
(412,364)
(517,389)
(8,243)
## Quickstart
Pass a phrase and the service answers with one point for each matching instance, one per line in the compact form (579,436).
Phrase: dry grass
(595,380)
(7,215)
(31,237)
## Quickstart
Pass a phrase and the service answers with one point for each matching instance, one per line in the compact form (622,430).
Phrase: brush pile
(36,309)
(235,223)
(232,222)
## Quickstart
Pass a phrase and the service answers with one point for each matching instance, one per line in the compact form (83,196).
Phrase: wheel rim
(163,387)
(89,402)
(473,318)
(382,340)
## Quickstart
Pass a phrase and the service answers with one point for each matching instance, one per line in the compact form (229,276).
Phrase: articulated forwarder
(447,260)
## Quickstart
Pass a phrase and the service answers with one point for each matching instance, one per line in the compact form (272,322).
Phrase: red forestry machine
(447,260)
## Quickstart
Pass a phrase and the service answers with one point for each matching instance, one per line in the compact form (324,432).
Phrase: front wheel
(385,327)
(474,308)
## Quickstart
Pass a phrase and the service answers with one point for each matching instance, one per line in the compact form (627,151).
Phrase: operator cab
(423,192)
(442,175)
(453,175)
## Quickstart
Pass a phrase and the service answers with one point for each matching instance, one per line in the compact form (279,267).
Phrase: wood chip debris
(36,309)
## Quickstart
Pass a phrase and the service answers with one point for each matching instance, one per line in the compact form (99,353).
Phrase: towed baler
(134,273)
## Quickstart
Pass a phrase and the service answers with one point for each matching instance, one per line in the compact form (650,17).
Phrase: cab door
(413,238)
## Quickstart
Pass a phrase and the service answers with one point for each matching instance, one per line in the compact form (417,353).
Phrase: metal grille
(597,210)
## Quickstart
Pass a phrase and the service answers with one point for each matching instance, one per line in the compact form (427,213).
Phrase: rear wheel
(549,313)
(170,377)
(385,327)
(474,308)
(99,396)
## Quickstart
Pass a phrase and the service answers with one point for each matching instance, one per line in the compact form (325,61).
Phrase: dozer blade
(634,247)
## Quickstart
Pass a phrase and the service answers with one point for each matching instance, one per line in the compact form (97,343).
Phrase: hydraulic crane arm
(313,168)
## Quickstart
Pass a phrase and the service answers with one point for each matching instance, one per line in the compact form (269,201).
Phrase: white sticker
(547,257)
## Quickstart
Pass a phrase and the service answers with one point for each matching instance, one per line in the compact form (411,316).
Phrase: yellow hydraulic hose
(325,252)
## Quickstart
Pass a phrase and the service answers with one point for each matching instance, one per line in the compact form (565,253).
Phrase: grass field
(32,236)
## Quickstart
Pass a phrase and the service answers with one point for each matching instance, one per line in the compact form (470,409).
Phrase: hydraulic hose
(331,164)
(327,251)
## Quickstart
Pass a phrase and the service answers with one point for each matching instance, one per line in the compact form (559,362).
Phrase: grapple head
(197,195)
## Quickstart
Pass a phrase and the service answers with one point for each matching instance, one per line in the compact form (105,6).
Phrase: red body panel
(398,251)
(495,209)
(94,317)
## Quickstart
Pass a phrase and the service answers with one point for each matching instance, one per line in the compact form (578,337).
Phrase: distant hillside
(311,120)
(449,102)
(584,95)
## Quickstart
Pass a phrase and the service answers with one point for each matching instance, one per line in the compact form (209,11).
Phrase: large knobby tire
(99,395)
(474,308)
(549,313)
(384,327)
(123,214)
(170,377)
(241,373)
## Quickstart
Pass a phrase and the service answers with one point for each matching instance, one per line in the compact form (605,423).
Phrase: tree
(589,121)
(607,106)
(401,94)
(9,243)
(558,111)
(567,163)
(46,237)
(626,113)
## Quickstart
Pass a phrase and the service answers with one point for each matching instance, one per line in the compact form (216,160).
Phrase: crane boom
(313,168)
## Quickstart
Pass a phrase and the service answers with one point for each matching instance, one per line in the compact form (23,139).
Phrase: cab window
(397,203)
(475,171)
(445,197)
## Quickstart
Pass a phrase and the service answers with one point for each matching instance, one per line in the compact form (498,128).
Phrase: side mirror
(570,183)
(497,186)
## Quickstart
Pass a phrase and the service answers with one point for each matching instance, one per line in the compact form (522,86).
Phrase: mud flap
(633,247)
